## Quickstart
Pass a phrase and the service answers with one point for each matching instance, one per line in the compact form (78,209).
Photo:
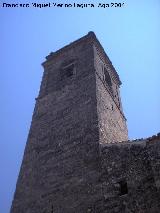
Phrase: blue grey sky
(130,36)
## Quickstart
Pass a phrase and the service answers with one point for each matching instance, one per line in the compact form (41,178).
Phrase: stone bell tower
(77,109)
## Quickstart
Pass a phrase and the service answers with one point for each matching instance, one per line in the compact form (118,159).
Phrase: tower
(77,109)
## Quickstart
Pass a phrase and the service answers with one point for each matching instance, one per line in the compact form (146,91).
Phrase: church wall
(134,165)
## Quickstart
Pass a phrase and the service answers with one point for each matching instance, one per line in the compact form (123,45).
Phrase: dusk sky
(130,36)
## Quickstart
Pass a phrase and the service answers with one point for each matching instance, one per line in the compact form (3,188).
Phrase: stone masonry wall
(137,166)
(60,168)
(112,123)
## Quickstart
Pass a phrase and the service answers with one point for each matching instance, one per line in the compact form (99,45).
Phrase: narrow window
(52,209)
(102,73)
(107,78)
(67,71)
(123,187)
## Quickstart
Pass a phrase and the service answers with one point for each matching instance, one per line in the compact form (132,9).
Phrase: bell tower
(77,109)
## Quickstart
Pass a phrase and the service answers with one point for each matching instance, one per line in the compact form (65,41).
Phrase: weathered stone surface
(111,120)
(137,163)
(73,160)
